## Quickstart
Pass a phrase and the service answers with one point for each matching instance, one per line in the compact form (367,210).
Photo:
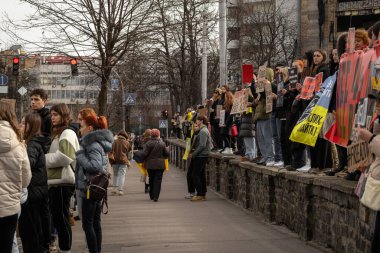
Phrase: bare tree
(267,33)
(177,45)
(102,29)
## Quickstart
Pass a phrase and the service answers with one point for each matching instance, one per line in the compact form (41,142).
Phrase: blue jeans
(276,131)
(250,147)
(119,175)
(264,139)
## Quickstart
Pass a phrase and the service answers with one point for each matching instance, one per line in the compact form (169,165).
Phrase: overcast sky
(16,11)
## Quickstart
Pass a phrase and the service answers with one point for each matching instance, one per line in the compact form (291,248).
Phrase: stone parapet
(320,209)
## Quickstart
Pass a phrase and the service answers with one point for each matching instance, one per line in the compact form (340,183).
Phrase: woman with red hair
(226,100)
(154,155)
(92,159)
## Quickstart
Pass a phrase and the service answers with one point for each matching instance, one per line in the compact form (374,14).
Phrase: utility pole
(204,60)
(222,42)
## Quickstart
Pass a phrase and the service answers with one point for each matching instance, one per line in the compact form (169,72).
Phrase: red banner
(354,83)
(247,74)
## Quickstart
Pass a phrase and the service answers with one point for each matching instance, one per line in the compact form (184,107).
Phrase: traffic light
(74,67)
(15,66)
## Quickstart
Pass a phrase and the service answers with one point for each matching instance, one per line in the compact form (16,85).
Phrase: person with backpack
(92,160)
(60,164)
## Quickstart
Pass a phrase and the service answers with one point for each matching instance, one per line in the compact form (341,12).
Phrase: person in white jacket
(16,174)
(60,165)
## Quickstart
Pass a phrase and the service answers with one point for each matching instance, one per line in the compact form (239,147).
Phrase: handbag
(97,188)
(371,195)
(234,131)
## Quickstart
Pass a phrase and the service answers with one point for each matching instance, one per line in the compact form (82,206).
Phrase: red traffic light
(16,60)
(73,61)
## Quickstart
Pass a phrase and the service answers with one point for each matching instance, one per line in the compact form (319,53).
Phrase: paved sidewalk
(135,224)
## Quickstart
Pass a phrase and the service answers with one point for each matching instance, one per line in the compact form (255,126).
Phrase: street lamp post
(122,99)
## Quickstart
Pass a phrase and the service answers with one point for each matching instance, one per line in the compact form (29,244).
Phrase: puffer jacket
(14,168)
(246,126)
(92,158)
(61,154)
(154,154)
(120,149)
(38,187)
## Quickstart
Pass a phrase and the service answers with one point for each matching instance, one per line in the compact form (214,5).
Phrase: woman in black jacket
(34,222)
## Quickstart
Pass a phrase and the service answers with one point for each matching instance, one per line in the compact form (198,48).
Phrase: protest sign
(358,156)
(375,75)
(350,40)
(268,97)
(218,109)
(240,101)
(261,79)
(311,121)
(247,74)
(202,111)
(293,77)
(222,118)
(309,85)
(280,85)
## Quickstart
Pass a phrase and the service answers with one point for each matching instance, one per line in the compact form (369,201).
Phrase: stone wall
(320,209)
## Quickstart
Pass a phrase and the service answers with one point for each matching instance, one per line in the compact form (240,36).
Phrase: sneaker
(114,190)
(270,164)
(304,169)
(189,196)
(120,193)
(279,164)
(227,151)
(198,198)
(261,162)
(256,159)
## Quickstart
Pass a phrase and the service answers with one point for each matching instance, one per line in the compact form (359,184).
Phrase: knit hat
(155,132)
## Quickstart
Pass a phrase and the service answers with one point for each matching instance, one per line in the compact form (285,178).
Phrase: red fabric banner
(247,74)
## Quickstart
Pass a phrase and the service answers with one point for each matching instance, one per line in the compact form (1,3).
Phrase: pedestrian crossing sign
(130,98)
(163,124)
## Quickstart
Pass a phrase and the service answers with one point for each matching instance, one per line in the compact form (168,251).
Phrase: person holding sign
(226,101)
(263,124)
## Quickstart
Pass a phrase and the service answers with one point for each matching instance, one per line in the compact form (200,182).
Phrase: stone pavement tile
(135,224)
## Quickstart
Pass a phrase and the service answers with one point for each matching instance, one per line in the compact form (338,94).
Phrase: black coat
(38,187)
(45,121)
(246,125)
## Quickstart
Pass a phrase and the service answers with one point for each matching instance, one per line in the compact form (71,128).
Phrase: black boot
(146,188)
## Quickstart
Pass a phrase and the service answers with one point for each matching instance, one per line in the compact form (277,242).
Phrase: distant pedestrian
(154,156)
(16,174)
(120,149)
(199,158)
(96,142)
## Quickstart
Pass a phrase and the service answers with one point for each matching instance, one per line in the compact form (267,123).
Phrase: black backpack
(97,188)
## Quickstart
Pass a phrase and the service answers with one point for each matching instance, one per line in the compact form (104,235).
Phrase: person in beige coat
(15,174)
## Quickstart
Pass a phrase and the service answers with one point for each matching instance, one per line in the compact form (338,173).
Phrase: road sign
(130,98)
(115,84)
(163,123)
(4,89)
(22,91)
(3,80)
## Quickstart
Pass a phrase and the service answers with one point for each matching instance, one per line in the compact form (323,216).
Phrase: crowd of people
(49,164)
(264,137)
